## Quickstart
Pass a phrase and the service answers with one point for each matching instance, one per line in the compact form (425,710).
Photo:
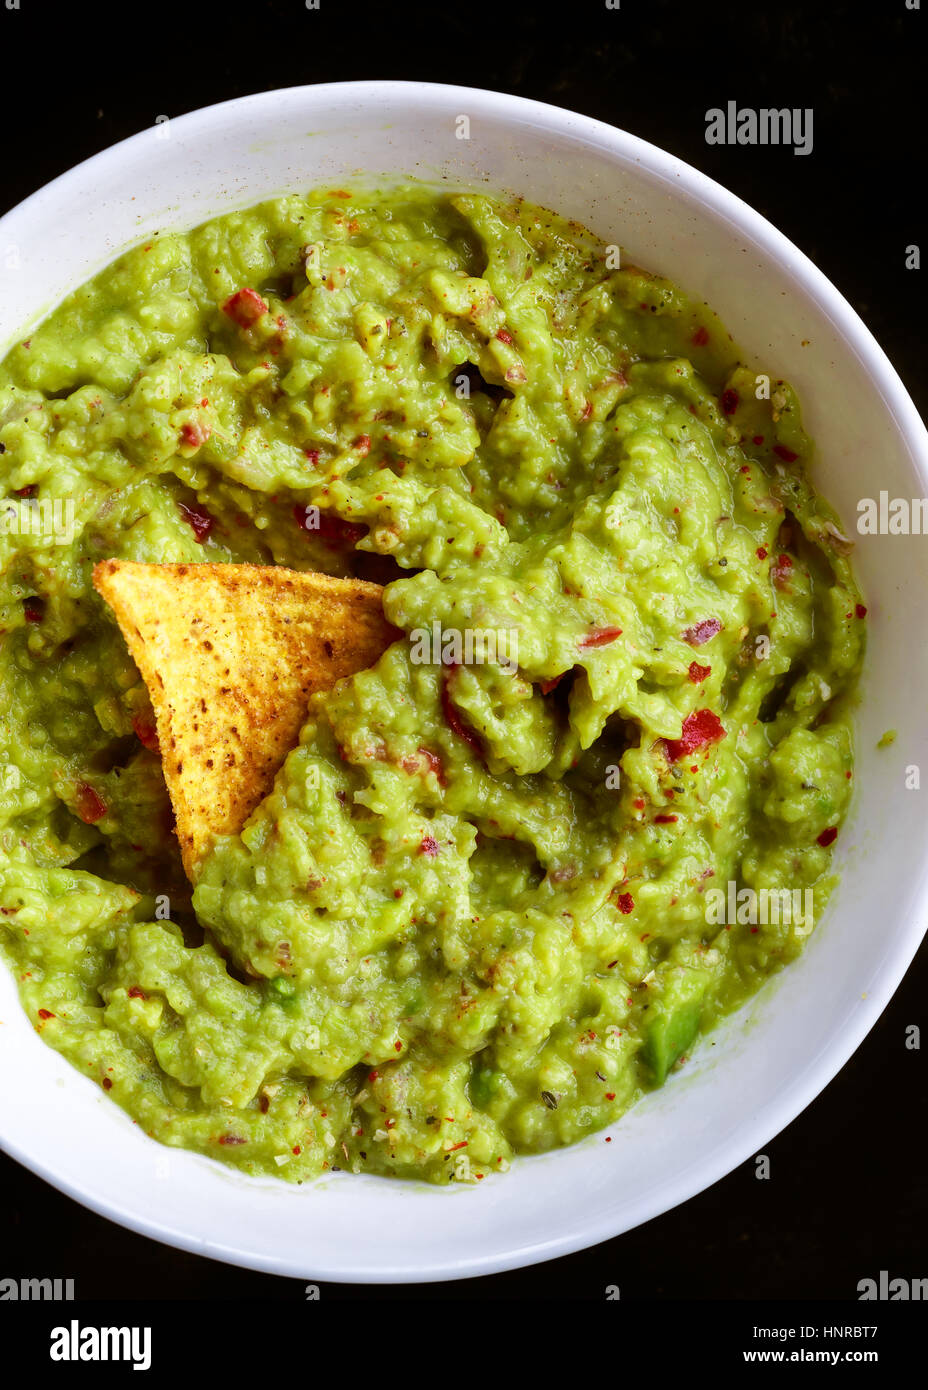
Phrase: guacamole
(498,889)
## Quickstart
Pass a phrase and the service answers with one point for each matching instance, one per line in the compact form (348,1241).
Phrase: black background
(847,1192)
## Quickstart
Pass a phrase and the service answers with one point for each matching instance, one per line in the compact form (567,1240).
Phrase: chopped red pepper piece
(90,806)
(198,519)
(433,763)
(700,633)
(599,637)
(701,336)
(785,454)
(547,686)
(245,307)
(697,673)
(194,433)
(782,568)
(828,836)
(333,530)
(146,733)
(700,728)
(625,903)
(728,400)
(453,718)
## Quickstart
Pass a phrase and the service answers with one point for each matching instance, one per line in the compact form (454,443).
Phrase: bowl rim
(720,203)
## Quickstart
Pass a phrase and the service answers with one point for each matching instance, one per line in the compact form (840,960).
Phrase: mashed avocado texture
(488,902)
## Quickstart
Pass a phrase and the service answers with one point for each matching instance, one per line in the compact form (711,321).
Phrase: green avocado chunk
(675,1021)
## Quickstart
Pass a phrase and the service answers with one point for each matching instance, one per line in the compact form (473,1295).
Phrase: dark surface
(847,1194)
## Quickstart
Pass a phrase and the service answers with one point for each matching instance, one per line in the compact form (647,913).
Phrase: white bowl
(769,1061)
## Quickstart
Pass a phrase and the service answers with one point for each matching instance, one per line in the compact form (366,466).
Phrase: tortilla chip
(230,655)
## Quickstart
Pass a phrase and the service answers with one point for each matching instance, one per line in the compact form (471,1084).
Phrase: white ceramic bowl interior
(765,1064)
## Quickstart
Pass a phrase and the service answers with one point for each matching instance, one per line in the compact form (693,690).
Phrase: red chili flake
(599,637)
(373,1076)
(610,1095)
(90,806)
(665,820)
(781,570)
(785,454)
(860,610)
(429,846)
(398,1046)
(757,439)
(136,992)
(245,307)
(312,455)
(625,903)
(828,836)
(199,519)
(701,336)
(638,803)
(397,892)
(728,400)
(462,1144)
(547,686)
(700,728)
(30,490)
(698,673)
(362,444)
(761,552)
(194,433)
(146,733)
(453,718)
(703,632)
(107,1084)
(34,609)
(231,1139)
(504,336)
(45,1014)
